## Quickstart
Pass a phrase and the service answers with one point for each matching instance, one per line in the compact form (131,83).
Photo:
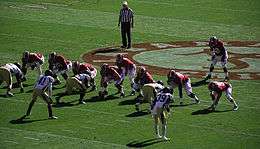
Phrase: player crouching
(176,79)
(32,60)
(41,87)
(59,65)
(127,67)
(216,89)
(110,74)
(79,82)
(6,73)
(150,91)
(86,68)
(160,109)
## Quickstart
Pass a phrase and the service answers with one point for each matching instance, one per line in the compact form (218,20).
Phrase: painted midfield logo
(189,57)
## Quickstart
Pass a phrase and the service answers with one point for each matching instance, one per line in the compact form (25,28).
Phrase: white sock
(164,130)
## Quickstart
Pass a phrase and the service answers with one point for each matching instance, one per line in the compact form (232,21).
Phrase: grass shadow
(200,83)
(65,104)
(138,113)
(183,105)
(25,121)
(145,143)
(98,99)
(127,102)
(207,111)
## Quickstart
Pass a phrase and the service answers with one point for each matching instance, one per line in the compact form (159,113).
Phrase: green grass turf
(74,27)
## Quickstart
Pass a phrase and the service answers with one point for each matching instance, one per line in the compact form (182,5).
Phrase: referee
(126,19)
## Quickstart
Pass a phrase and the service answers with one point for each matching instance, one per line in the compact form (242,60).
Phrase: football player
(176,79)
(86,68)
(43,89)
(109,74)
(6,73)
(79,82)
(127,67)
(216,89)
(150,91)
(32,60)
(160,109)
(143,77)
(219,54)
(59,65)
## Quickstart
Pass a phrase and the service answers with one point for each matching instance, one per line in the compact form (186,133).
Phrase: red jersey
(217,47)
(144,78)
(111,73)
(85,66)
(60,60)
(125,63)
(179,78)
(219,86)
(35,57)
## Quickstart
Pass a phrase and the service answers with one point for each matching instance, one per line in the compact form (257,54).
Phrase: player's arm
(19,81)
(119,18)
(180,90)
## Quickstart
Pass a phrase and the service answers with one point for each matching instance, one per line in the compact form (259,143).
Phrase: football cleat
(158,136)
(235,108)
(9,94)
(53,117)
(82,102)
(122,94)
(132,93)
(165,138)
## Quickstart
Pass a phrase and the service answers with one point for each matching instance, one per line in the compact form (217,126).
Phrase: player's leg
(9,82)
(211,68)
(215,99)
(189,92)
(119,86)
(48,100)
(156,116)
(164,125)
(223,63)
(35,94)
(131,75)
(92,81)
(103,84)
(230,98)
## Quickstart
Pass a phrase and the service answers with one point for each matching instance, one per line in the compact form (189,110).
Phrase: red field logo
(189,57)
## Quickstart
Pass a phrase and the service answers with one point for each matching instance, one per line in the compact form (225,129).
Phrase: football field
(177,28)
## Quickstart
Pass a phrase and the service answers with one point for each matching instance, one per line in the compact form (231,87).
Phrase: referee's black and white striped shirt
(126,15)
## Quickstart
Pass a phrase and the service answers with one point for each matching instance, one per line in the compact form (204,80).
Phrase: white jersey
(13,69)
(158,87)
(163,99)
(44,82)
(82,77)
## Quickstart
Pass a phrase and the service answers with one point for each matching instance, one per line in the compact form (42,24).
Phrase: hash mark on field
(123,121)
(66,130)
(10,141)
(85,127)
(55,4)
(31,138)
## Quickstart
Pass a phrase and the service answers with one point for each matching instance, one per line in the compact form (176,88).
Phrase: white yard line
(56,4)
(10,141)
(30,138)
(61,136)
